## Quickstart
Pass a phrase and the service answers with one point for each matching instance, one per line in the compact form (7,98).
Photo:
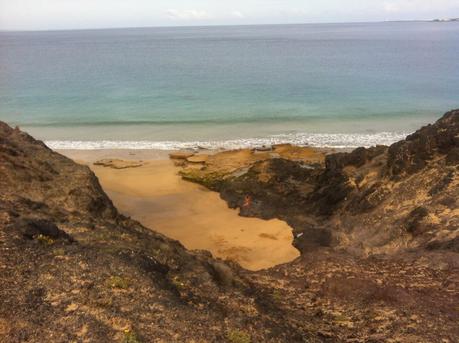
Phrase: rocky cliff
(376,200)
(377,229)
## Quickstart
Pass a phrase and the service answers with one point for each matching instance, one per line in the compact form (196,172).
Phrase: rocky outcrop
(118,164)
(29,175)
(362,200)
(421,148)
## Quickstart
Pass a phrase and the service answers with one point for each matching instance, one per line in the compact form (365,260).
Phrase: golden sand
(156,195)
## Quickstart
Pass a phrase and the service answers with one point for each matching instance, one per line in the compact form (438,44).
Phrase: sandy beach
(154,194)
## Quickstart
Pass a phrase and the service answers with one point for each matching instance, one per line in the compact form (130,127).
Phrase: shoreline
(92,155)
(126,154)
(316,140)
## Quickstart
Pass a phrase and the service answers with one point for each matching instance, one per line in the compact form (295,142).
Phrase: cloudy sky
(77,14)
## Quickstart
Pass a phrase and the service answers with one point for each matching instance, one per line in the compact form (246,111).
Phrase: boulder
(198,158)
(119,164)
(180,155)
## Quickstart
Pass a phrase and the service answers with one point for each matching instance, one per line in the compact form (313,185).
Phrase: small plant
(177,283)
(238,336)
(277,295)
(59,252)
(45,239)
(117,282)
(130,337)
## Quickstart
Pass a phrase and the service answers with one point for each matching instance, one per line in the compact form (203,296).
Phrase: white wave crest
(323,140)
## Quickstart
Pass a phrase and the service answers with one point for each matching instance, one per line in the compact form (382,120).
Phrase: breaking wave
(323,140)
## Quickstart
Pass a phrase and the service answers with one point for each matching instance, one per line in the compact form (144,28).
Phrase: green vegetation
(238,336)
(177,283)
(45,239)
(59,252)
(131,337)
(277,295)
(210,180)
(117,282)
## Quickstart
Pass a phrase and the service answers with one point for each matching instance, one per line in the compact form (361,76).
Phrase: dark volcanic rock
(37,170)
(267,188)
(414,218)
(31,228)
(362,200)
(356,158)
(413,154)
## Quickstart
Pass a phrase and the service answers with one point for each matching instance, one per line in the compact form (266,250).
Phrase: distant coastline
(445,20)
(442,20)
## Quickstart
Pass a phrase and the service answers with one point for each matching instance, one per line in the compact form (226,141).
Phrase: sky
(82,14)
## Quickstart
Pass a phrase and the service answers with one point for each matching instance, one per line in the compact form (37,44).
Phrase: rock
(417,150)
(369,198)
(32,228)
(452,158)
(118,164)
(412,222)
(180,155)
(263,148)
(356,158)
(223,273)
(198,158)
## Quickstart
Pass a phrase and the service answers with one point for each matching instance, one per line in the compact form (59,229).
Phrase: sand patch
(156,195)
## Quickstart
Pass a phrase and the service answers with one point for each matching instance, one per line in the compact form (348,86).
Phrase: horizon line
(227,25)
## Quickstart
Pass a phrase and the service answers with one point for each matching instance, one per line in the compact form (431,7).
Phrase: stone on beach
(198,159)
(263,148)
(118,164)
(180,155)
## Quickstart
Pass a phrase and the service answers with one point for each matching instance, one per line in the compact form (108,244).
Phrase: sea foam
(321,140)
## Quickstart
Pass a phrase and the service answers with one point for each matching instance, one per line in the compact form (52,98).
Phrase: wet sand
(156,195)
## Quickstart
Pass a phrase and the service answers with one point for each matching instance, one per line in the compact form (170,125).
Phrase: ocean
(328,85)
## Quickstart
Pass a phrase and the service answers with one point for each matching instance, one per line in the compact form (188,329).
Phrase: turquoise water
(321,84)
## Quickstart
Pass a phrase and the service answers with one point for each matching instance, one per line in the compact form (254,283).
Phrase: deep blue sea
(318,84)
